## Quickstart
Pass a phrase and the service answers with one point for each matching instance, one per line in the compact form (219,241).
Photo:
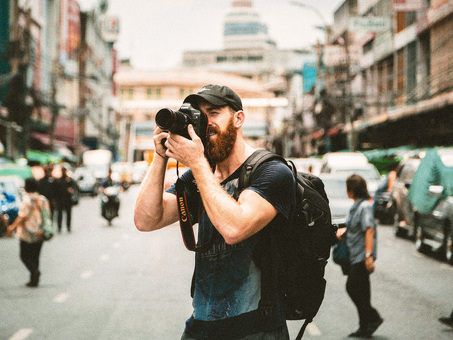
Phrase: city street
(103,283)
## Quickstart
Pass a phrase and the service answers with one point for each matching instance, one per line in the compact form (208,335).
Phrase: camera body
(178,121)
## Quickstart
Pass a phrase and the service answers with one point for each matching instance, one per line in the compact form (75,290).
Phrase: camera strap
(185,220)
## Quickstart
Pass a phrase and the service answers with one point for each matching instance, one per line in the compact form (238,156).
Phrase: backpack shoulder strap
(268,260)
(252,163)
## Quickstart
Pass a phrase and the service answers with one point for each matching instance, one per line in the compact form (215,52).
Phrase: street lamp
(323,109)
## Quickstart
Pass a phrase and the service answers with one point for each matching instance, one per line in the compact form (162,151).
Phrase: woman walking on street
(27,226)
(361,242)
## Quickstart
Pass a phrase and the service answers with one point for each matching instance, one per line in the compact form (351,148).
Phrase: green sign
(371,24)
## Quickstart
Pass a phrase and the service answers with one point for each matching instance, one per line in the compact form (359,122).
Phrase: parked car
(431,195)
(342,159)
(403,221)
(367,170)
(86,181)
(339,202)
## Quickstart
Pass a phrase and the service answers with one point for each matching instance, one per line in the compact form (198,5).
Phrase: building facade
(51,51)
(401,92)
(143,93)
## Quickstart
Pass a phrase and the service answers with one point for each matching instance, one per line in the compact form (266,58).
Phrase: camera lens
(165,118)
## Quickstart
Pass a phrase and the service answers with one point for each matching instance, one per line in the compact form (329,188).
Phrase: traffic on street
(112,282)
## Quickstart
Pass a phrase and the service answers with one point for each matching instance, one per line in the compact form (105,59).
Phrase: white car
(86,181)
(342,159)
(345,164)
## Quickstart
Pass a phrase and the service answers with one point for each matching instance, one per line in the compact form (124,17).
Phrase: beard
(224,142)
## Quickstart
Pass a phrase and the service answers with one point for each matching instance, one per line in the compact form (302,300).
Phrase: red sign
(408,5)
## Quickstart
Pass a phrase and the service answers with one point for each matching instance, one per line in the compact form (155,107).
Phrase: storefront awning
(43,157)
(45,139)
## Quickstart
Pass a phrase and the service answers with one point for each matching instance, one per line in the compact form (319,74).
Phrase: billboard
(69,32)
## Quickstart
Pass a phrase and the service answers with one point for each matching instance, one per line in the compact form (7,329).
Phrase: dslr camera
(178,121)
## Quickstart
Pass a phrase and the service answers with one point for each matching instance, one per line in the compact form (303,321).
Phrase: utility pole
(54,103)
(83,92)
(349,107)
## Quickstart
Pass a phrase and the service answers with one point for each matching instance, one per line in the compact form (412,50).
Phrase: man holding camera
(227,292)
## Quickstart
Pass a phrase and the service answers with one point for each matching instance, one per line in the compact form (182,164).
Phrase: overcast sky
(154,33)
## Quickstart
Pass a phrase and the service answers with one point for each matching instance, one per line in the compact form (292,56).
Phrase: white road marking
(116,245)
(313,330)
(21,334)
(60,298)
(104,258)
(86,275)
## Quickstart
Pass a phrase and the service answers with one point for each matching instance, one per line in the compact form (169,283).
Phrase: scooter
(110,203)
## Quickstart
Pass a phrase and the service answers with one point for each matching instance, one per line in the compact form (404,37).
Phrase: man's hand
(158,136)
(187,151)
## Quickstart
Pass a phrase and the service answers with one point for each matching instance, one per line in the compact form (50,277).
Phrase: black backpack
(292,260)
(304,247)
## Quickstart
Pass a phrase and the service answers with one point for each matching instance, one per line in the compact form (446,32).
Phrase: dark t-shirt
(62,194)
(227,279)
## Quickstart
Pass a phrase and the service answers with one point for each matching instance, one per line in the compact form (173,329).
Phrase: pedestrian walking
(447,320)
(227,280)
(46,187)
(28,229)
(64,189)
(361,244)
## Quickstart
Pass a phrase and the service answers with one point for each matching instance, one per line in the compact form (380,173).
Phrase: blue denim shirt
(359,220)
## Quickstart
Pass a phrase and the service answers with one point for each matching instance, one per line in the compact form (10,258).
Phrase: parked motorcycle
(110,203)
(384,209)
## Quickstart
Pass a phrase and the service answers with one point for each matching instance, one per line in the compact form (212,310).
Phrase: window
(157,93)
(255,58)
(131,94)
(181,93)
(149,93)
(122,94)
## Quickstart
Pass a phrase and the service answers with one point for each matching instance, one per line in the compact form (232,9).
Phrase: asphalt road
(103,283)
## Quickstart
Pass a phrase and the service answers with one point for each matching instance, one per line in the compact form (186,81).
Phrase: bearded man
(226,286)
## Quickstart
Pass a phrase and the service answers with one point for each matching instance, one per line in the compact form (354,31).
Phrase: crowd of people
(52,195)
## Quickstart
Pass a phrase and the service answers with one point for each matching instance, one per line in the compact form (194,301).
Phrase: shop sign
(408,5)
(110,29)
(372,24)
(335,55)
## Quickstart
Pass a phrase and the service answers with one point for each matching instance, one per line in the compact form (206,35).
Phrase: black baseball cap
(217,95)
